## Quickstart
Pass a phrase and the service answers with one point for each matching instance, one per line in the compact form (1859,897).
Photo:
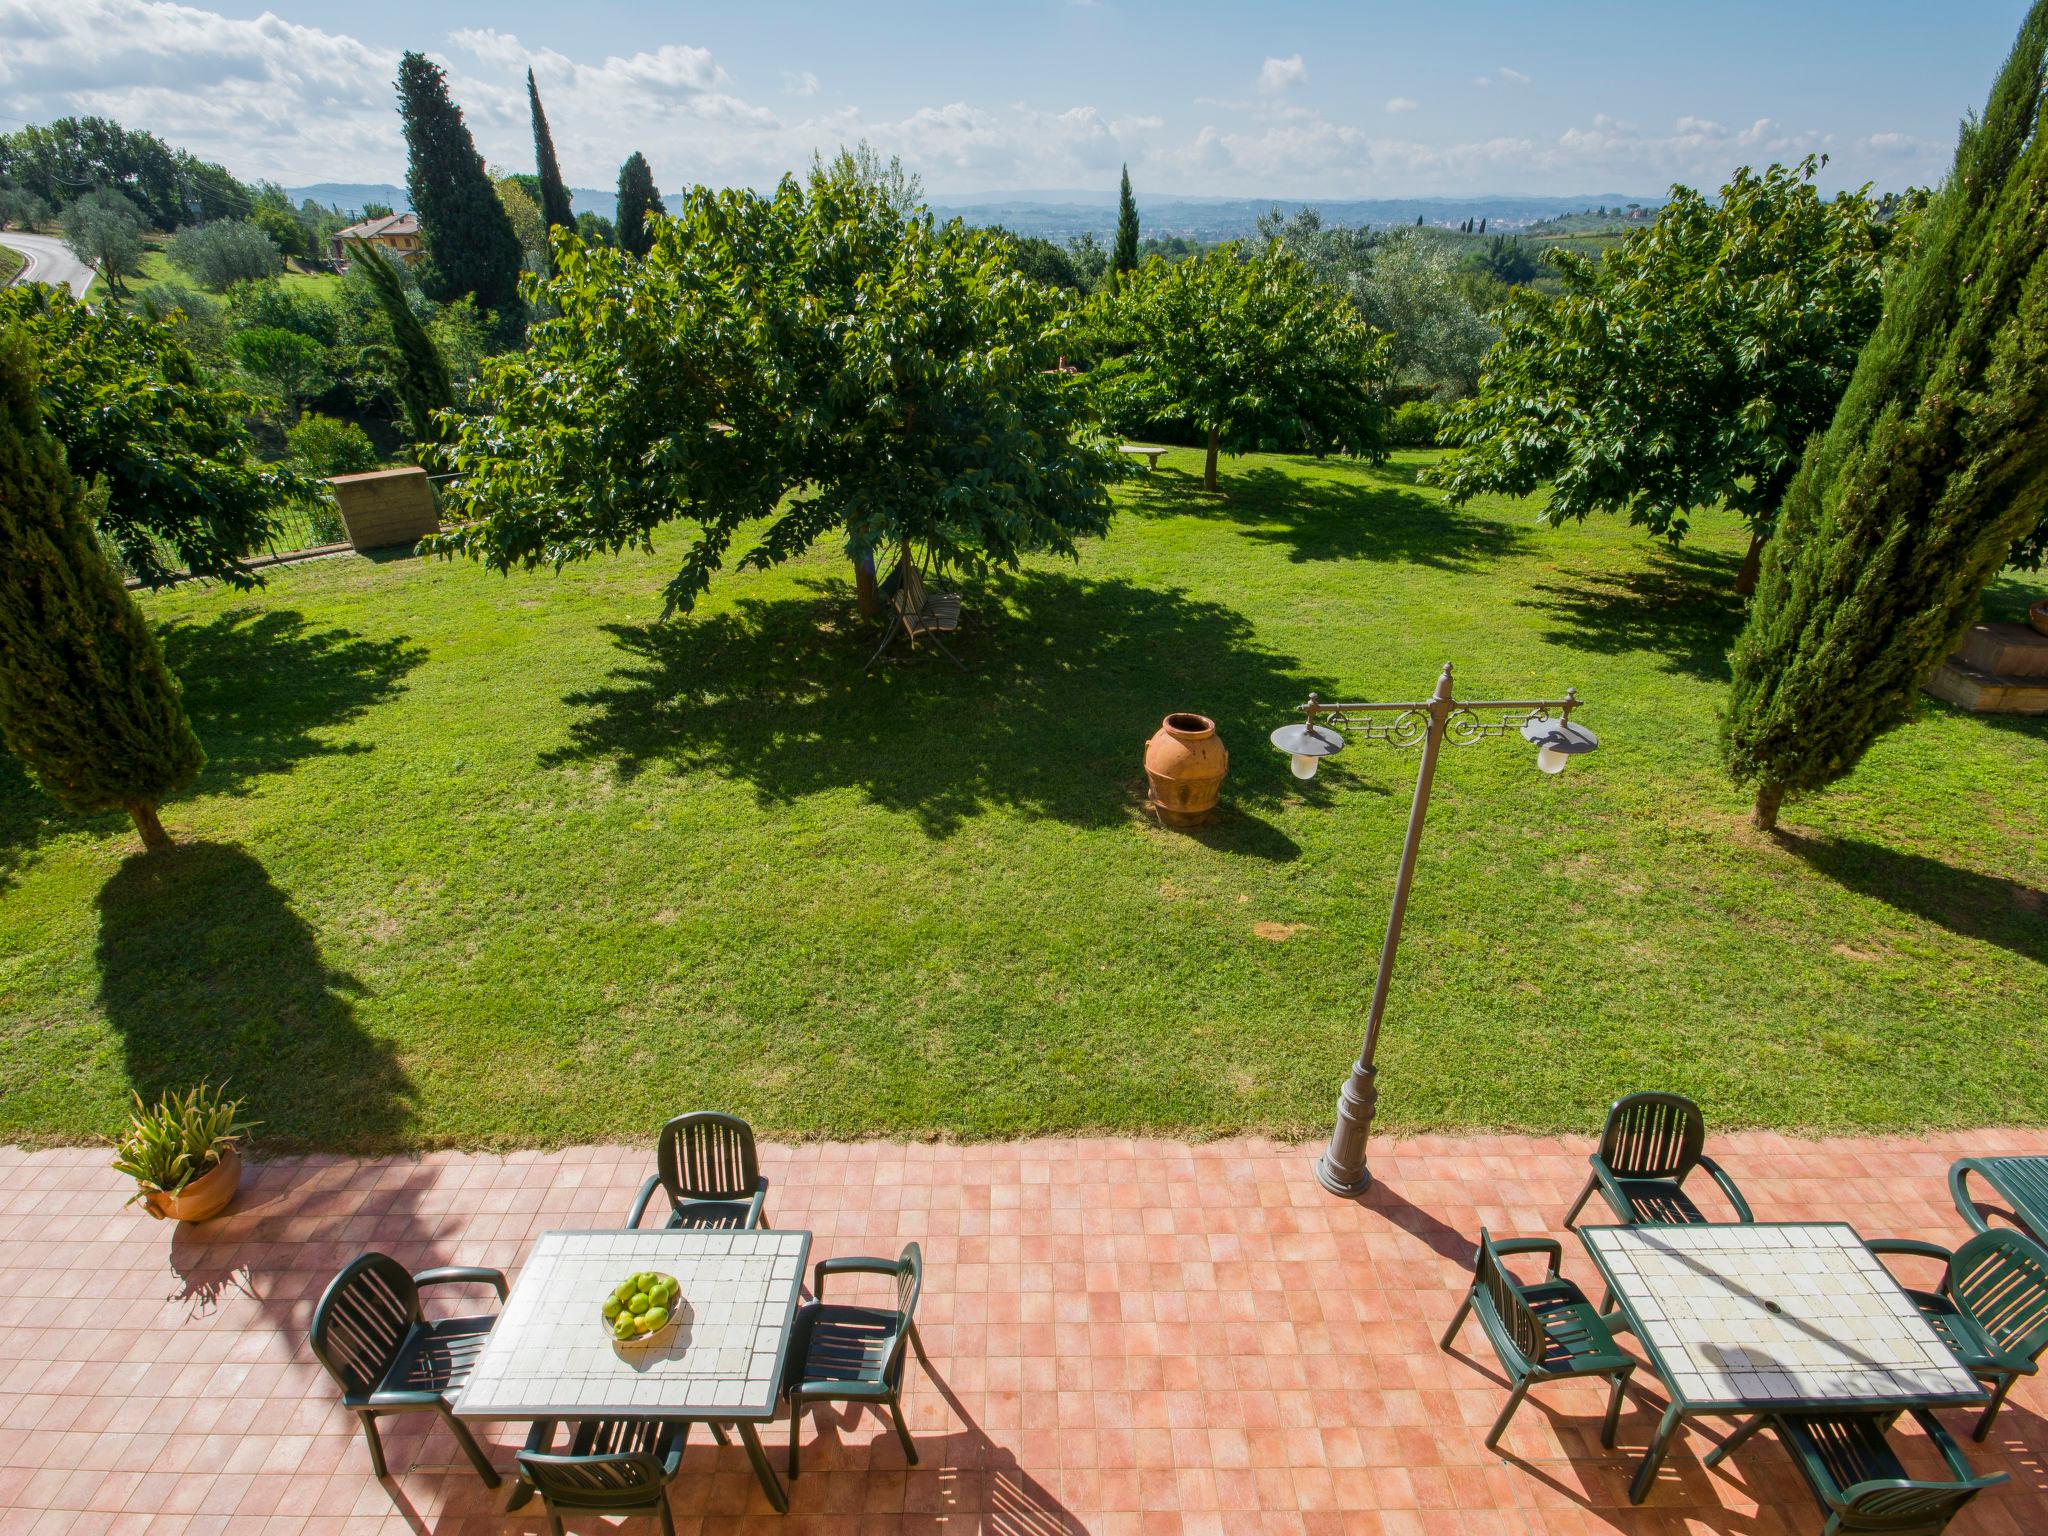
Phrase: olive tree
(812,361)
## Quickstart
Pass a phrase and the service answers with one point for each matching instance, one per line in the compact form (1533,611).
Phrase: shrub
(326,446)
(1413,425)
(224,252)
(253,305)
(200,316)
(168,1145)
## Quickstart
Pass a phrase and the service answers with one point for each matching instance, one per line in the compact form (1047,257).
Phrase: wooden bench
(914,612)
(1143,451)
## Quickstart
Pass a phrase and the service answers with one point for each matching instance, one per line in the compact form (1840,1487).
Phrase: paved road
(49,260)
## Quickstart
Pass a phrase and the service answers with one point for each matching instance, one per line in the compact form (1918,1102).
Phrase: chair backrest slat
(362,1320)
(2001,1279)
(1903,1508)
(1653,1136)
(909,1282)
(1497,1288)
(598,1483)
(707,1156)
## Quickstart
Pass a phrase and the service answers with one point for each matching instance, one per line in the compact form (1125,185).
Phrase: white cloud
(1513,76)
(1277,75)
(799,82)
(1402,104)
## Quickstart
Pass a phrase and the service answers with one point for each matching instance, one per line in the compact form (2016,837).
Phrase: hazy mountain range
(1061,214)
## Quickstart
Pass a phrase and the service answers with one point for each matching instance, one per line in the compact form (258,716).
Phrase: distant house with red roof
(398,234)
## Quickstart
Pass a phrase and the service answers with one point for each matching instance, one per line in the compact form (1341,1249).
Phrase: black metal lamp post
(1545,724)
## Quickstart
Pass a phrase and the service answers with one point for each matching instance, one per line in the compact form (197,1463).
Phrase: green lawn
(486,862)
(157,268)
(10,263)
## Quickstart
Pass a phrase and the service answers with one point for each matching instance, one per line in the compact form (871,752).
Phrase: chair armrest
(1911,1247)
(646,1193)
(417,1398)
(1547,1245)
(1958,1179)
(1951,1453)
(760,1199)
(826,1267)
(846,1391)
(459,1274)
(1617,1202)
(1720,1176)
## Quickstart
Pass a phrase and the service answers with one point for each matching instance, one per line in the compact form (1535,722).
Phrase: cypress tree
(85,699)
(469,244)
(1125,256)
(424,386)
(637,198)
(554,197)
(1935,464)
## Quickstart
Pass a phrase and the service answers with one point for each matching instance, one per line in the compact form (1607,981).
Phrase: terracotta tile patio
(1129,1337)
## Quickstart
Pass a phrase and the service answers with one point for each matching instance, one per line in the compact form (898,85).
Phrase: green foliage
(203,329)
(529,228)
(85,699)
(554,196)
(377,211)
(135,411)
(1043,262)
(272,302)
(1124,258)
(104,231)
(1688,367)
(1257,352)
(1935,464)
(469,243)
(224,253)
(166,187)
(1506,260)
(294,366)
(596,229)
(1413,425)
(638,198)
(888,377)
(325,446)
(180,1137)
(1090,260)
(21,208)
(284,228)
(418,369)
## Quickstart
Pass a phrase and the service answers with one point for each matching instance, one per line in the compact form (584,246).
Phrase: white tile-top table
(551,1357)
(1762,1317)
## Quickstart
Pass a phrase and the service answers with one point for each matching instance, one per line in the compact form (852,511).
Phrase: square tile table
(551,1356)
(1767,1317)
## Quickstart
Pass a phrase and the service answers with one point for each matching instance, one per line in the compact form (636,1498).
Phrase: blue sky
(1274,99)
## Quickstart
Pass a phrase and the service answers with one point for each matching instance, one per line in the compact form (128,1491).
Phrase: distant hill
(1063,214)
(352,196)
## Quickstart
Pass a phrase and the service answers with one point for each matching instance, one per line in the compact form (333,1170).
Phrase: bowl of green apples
(642,1308)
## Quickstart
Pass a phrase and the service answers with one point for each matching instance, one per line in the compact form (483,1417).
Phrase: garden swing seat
(914,612)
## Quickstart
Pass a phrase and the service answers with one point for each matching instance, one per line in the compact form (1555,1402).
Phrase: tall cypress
(554,197)
(424,386)
(638,198)
(1935,464)
(85,699)
(469,244)
(1125,257)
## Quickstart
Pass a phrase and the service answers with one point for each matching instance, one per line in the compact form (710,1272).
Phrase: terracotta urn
(1185,761)
(2037,615)
(205,1196)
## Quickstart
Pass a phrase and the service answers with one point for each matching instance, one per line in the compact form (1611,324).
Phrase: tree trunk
(1764,816)
(1752,562)
(154,838)
(864,584)
(1209,469)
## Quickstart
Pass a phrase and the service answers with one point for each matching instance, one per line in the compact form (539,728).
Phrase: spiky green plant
(182,1136)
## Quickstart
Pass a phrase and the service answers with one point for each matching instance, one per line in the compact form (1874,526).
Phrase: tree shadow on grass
(206,972)
(1681,606)
(1989,908)
(1065,677)
(258,684)
(1318,519)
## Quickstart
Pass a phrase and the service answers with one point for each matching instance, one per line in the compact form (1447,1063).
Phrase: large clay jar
(205,1196)
(1185,761)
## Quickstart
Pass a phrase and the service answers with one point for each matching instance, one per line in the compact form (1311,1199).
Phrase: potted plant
(183,1154)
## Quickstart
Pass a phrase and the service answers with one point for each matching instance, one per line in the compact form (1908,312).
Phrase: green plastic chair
(1859,1480)
(855,1354)
(1542,1332)
(373,1337)
(1650,1143)
(705,1164)
(614,1467)
(1991,1307)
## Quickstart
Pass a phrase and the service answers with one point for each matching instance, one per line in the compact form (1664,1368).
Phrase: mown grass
(493,861)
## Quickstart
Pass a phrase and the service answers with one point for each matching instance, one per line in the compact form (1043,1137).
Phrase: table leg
(1653,1458)
(770,1483)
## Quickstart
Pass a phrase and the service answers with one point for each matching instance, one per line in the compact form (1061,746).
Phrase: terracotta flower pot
(205,1196)
(2037,615)
(1185,761)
